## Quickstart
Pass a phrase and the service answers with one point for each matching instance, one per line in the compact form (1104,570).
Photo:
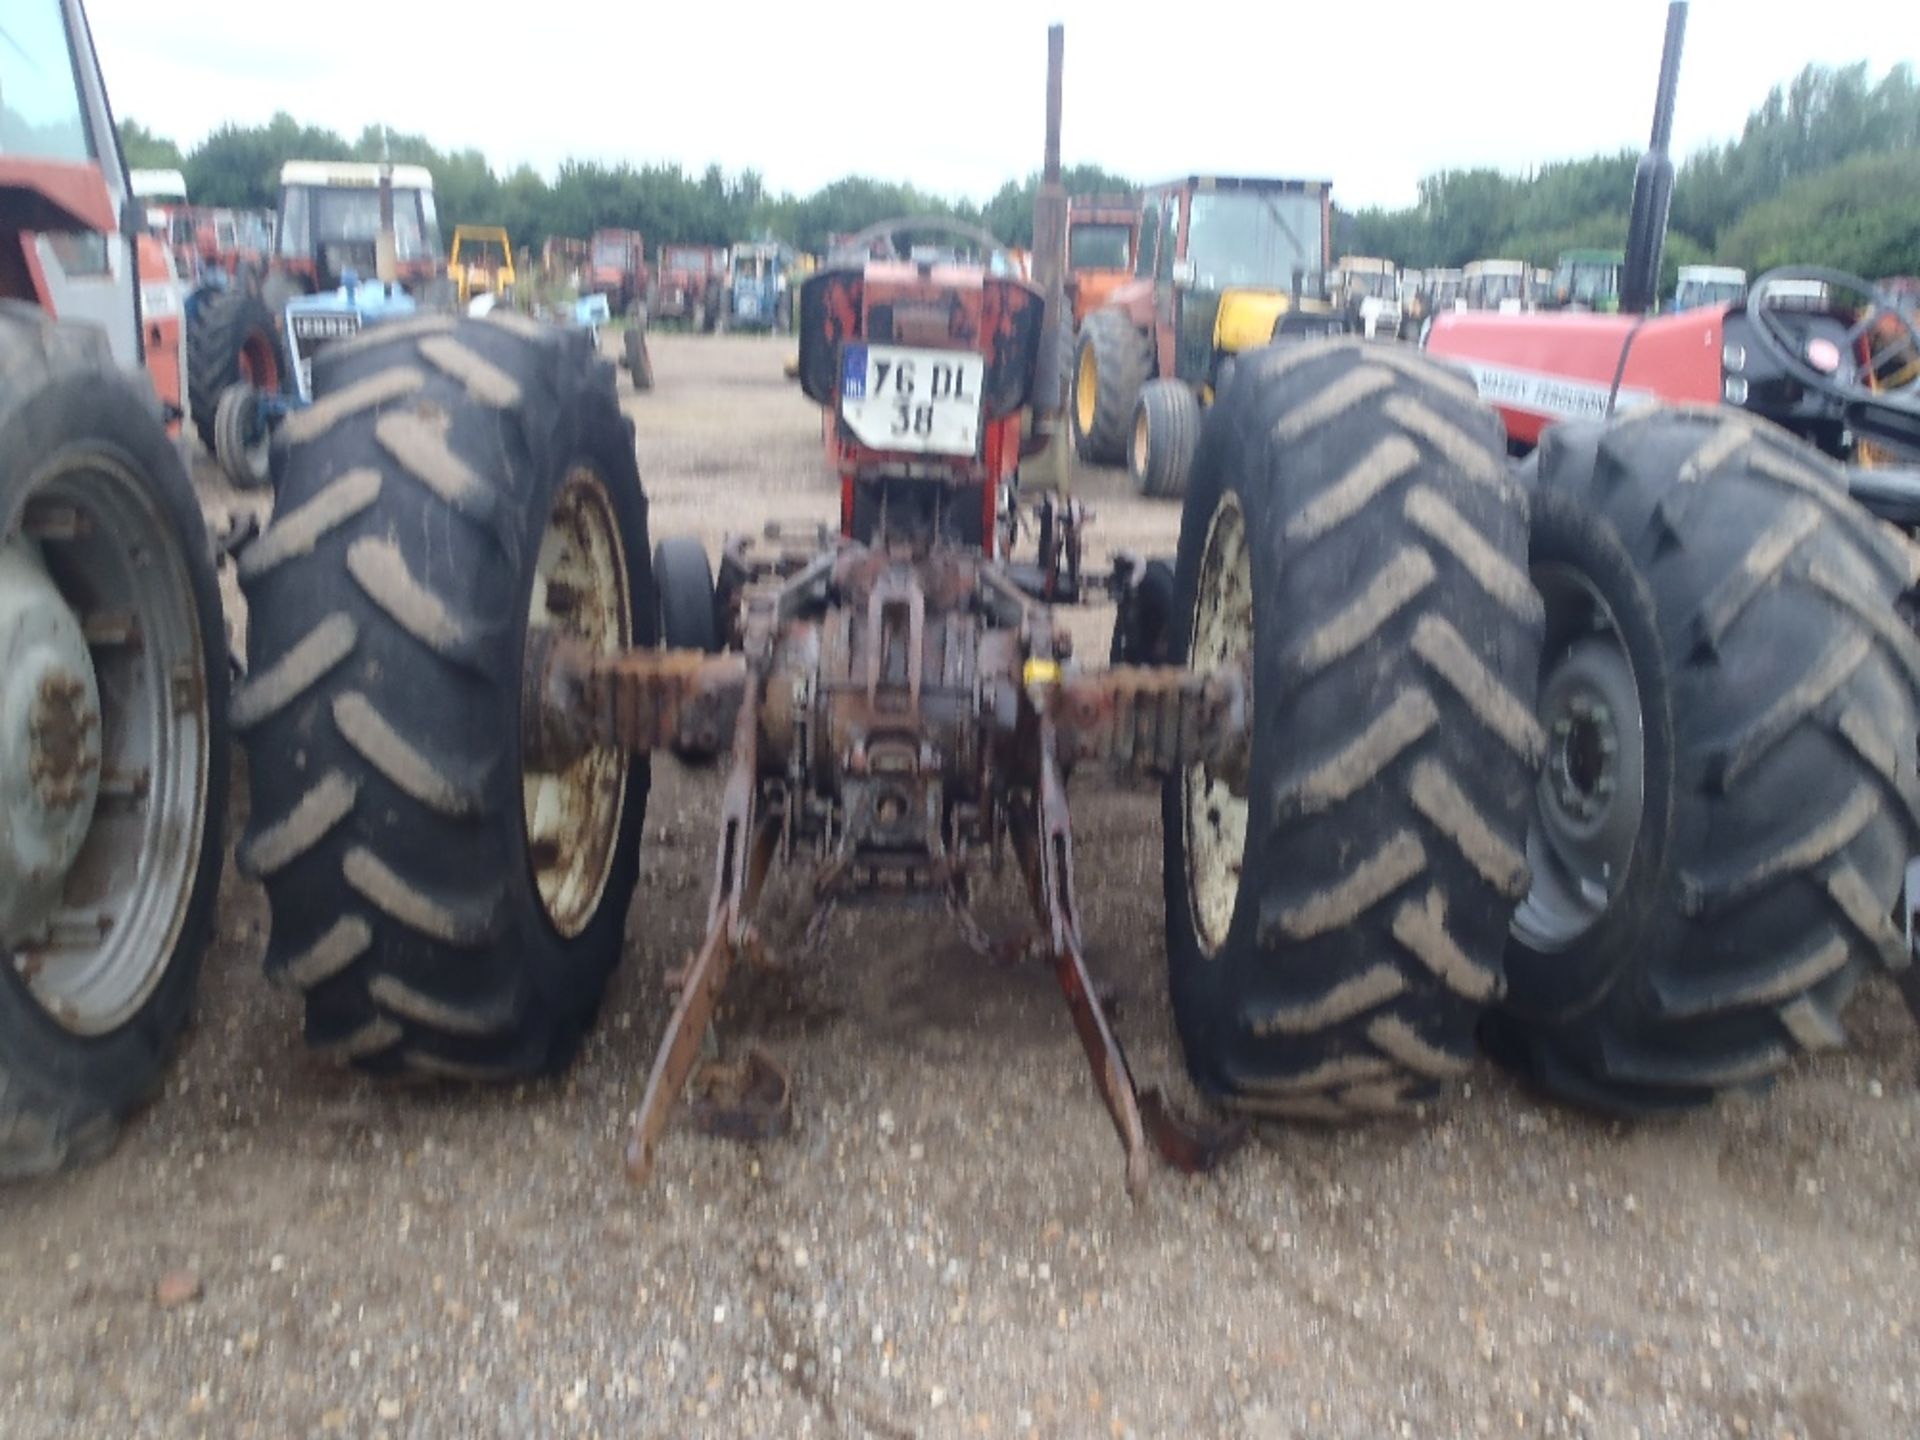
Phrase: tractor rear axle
(898,712)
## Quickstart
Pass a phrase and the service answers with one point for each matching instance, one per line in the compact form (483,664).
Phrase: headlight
(1736,390)
(1733,357)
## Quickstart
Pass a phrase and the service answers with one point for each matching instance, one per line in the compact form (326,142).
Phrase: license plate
(926,401)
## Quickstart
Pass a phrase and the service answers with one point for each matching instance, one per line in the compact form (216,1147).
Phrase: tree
(1862,216)
(145,150)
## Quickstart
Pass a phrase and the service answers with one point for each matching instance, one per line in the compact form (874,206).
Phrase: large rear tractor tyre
(447,902)
(1730,705)
(1113,361)
(1335,928)
(232,339)
(113,744)
(1166,431)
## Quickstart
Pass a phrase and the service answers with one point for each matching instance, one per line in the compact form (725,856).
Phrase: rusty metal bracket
(1154,720)
(750,1099)
(685,701)
(740,870)
(1044,837)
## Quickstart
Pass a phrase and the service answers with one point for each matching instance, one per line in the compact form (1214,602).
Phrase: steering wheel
(1894,341)
(886,230)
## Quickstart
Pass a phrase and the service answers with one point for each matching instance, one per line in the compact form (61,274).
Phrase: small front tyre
(1166,430)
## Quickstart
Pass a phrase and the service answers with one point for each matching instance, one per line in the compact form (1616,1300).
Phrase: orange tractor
(113,669)
(1103,232)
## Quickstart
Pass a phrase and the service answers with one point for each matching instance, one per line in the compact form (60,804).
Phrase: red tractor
(690,285)
(459,682)
(1728,684)
(113,667)
(618,270)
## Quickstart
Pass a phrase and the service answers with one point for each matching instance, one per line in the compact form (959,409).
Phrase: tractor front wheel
(232,339)
(242,442)
(1729,700)
(1166,430)
(1111,364)
(1336,915)
(448,899)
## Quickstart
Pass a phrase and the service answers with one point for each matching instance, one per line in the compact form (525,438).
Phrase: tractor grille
(310,330)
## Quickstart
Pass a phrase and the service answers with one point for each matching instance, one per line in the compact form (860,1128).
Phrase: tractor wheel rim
(581,589)
(1137,449)
(1214,818)
(1086,390)
(1591,796)
(95,951)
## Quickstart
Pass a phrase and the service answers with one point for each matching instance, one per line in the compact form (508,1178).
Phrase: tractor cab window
(1585,283)
(693,260)
(1695,293)
(41,113)
(1169,236)
(429,220)
(1378,284)
(1260,238)
(751,267)
(1149,233)
(610,252)
(1100,247)
(295,229)
(343,216)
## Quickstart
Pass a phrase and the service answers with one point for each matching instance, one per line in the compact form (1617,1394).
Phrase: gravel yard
(944,1245)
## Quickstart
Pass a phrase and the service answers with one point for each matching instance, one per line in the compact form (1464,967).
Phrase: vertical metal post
(1653,181)
(1050,274)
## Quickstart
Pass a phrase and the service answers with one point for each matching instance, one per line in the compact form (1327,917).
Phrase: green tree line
(239,165)
(1826,171)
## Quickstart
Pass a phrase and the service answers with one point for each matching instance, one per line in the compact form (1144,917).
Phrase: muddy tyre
(639,359)
(683,580)
(1729,795)
(445,906)
(113,743)
(1111,364)
(232,339)
(1166,430)
(1334,936)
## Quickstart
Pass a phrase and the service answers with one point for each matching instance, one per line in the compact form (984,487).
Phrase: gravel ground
(943,1246)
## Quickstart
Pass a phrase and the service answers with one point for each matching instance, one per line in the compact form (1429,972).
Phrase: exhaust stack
(1653,181)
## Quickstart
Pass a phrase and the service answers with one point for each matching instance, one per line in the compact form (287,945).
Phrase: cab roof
(1243,182)
(353,175)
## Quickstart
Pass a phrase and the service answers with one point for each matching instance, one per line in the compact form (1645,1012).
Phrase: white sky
(950,96)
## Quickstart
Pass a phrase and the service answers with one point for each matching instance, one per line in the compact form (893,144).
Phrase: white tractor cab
(1709,285)
(1367,290)
(330,224)
(1497,285)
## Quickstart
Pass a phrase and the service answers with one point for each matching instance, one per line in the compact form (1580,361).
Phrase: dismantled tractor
(1657,881)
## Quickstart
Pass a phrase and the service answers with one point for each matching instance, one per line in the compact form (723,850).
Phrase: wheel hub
(49,743)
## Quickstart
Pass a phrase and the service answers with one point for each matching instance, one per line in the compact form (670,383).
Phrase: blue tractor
(759,289)
(245,417)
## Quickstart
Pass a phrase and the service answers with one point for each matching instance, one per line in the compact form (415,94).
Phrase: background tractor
(113,672)
(1103,234)
(618,270)
(1367,292)
(1728,686)
(332,220)
(690,286)
(480,262)
(1497,285)
(1225,266)
(760,287)
(1588,280)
